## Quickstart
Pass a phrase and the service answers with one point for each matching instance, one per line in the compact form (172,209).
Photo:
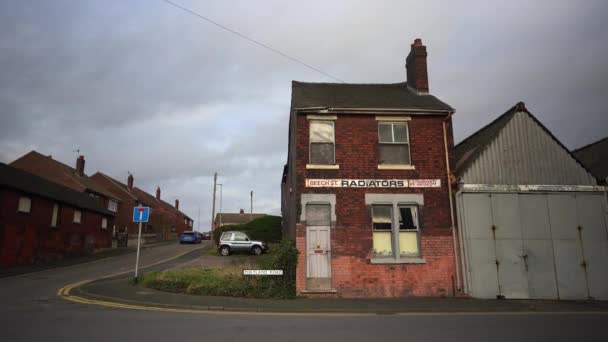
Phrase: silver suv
(232,241)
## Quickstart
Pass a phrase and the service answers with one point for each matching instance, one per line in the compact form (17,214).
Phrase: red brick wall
(28,238)
(351,239)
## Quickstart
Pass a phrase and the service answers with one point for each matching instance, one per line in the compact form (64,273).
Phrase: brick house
(170,217)
(42,221)
(73,178)
(365,192)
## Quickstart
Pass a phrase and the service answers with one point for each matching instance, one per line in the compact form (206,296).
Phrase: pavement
(31,310)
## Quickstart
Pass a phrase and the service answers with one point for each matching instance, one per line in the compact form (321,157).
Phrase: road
(31,311)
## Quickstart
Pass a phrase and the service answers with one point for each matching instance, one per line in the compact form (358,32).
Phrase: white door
(318,275)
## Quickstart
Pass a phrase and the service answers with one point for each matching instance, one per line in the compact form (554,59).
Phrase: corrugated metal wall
(523,153)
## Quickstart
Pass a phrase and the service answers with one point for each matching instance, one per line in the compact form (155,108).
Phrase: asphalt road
(31,311)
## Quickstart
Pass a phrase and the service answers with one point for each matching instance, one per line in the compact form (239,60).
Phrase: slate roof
(236,218)
(349,95)
(13,178)
(470,148)
(55,171)
(595,157)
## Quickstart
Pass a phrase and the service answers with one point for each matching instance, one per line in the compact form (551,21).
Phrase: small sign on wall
(373,183)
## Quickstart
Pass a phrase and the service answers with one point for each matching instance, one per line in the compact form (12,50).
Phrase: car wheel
(257,250)
(225,251)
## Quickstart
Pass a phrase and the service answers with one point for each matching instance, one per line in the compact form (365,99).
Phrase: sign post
(140,214)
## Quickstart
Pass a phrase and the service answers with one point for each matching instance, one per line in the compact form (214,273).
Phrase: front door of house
(318,274)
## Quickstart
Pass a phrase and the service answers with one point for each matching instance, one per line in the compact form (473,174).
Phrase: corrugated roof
(13,178)
(349,95)
(595,157)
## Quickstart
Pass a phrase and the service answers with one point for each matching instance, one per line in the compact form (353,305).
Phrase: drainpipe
(453,228)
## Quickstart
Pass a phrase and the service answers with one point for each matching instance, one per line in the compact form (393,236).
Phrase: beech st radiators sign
(373,183)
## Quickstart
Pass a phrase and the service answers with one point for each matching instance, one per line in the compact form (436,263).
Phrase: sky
(141,86)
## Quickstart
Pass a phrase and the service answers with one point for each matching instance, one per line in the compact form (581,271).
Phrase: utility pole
(251,210)
(213,206)
(221,191)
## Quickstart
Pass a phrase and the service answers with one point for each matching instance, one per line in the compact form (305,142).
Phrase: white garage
(532,220)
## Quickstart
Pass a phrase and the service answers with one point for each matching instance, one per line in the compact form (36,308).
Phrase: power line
(253,41)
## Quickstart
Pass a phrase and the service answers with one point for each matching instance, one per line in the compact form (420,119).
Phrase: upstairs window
(394,143)
(112,205)
(322,143)
(25,205)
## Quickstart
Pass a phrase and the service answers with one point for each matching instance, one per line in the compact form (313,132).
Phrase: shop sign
(373,183)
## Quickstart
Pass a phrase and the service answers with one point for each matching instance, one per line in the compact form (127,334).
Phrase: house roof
(153,202)
(349,95)
(13,178)
(55,171)
(125,189)
(595,157)
(467,151)
(237,218)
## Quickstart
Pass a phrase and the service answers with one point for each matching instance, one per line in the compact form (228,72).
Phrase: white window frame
(24,205)
(407,142)
(112,205)
(55,215)
(310,165)
(104,223)
(79,216)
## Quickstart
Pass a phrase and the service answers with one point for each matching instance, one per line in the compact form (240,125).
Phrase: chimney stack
(130,181)
(415,65)
(242,212)
(176,204)
(158,192)
(80,165)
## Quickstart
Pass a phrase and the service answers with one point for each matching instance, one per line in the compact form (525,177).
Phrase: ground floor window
(77,216)
(395,228)
(104,223)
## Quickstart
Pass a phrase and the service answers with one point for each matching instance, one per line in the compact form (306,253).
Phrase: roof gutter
(328,110)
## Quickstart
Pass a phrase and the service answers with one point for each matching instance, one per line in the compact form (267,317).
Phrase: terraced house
(366,188)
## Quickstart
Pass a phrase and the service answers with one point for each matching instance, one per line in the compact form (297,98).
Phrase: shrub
(267,229)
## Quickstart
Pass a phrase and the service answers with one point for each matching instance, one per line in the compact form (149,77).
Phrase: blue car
(189,237)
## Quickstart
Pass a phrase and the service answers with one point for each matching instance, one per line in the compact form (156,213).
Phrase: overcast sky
(142,86)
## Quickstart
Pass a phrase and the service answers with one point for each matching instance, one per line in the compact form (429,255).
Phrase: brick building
(365,192)
(43,221)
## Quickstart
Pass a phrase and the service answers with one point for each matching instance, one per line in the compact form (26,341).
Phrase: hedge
(266,228)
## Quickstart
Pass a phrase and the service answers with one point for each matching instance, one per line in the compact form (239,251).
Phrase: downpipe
(448,177)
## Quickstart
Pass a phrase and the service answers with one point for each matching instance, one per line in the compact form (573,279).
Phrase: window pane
(400,133)
(382,217)
(408,243)
(318,215)
(54,216)
(396,154)
(322,153)
(104,223)
(385,133)
(322,131)
(77,216)
(25,204)
(382,243)
(240,237)
(407,218)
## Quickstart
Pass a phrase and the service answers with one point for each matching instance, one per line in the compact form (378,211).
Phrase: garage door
(525,245)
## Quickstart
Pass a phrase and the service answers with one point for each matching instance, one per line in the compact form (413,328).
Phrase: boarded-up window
(394,143)
(25,205)
(382,222)
(104,223)
(318,215)
(322,150)
(77,216)
(55,215)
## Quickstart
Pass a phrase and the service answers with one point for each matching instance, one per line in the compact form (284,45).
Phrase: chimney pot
(416,67)
(130,181)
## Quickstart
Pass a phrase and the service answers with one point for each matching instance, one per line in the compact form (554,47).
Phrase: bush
(230,281)
(267,229)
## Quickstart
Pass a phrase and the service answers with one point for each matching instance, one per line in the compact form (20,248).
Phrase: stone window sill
(322,167)
(402,260)
(395,167)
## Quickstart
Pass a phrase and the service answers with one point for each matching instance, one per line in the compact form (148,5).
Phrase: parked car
(233,241)
(189,237)
(207,236)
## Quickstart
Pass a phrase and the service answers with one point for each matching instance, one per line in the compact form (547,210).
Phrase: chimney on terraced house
(80,165)
(130,181)
(158,192)
(415,65)
(242,212)
(176,204)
